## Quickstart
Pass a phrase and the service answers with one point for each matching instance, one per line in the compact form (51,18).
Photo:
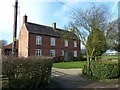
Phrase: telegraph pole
(15,28)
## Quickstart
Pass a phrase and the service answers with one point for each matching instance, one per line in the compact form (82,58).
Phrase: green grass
(68,65)
(113,57)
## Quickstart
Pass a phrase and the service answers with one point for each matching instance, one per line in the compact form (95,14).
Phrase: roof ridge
(47,26)
(47,30)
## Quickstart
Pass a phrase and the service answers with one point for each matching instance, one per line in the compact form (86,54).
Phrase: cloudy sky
(44,12)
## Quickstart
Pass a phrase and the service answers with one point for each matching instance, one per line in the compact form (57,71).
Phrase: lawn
(68,65)
(113,57)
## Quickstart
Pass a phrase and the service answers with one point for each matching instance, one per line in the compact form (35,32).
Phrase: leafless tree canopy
(3,43)
(84,21)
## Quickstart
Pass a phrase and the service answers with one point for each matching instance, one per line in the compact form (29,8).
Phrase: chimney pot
(54,25)
(24,19)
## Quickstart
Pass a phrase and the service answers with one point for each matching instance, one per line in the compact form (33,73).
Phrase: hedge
(27,73)
(103,70)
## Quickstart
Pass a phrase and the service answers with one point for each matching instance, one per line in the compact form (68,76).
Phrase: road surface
(72,78)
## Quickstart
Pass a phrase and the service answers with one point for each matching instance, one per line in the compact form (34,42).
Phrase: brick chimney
(24,19)
(54,25)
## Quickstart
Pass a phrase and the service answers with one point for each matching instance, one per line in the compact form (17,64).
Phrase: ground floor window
(62,52)
(75,53)
(52,53)
(38,52)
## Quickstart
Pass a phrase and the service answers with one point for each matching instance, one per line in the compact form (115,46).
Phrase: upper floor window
(38,52)
(38,40)
(75,43)
(52,53)
(52,42)
(75,53)
(66,43)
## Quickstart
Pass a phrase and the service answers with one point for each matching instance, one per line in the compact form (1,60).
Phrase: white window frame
(52,53)
(38,52)
(26,53)
(75,53)
(52,41)
(38,40)
(62,52)
(66,43)
(75,43)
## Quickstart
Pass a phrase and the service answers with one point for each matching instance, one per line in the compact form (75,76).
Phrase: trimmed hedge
(27,73)
(103,70)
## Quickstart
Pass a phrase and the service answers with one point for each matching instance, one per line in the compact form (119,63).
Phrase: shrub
(86,71)
(75,59)
(27,73)
(82,58)
(103,70)
(58,59)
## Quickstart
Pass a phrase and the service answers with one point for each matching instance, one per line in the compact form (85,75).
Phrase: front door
(66,56)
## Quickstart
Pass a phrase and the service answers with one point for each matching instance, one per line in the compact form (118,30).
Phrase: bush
(83,58)
(86,71)
(27,73)
(58,59)
(103,70)
(75,59)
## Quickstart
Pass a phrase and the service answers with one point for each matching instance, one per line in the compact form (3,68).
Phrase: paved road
(71,78)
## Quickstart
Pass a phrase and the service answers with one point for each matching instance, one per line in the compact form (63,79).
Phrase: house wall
(46,47)
(23,42)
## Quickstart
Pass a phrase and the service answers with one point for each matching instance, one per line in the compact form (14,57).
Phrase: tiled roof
(46,30)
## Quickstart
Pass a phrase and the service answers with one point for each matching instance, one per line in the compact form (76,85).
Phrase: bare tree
(3,43)
(112,34)
(84,22)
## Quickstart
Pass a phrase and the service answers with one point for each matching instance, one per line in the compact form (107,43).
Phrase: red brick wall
(46,47)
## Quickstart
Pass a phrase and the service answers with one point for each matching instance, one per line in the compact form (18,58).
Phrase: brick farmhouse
(40,40)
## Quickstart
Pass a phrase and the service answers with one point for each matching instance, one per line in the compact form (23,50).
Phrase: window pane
(38,52)
(38,40)
(52,53)
(62,52)
(75,43)
(75,53)
(52,41)
(66,43)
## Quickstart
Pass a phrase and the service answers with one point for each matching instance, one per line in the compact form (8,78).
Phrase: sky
(44,12)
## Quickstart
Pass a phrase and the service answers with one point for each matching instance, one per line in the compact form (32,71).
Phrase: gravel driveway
(72,78)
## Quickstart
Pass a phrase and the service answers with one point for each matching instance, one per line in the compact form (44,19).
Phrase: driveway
(72,78)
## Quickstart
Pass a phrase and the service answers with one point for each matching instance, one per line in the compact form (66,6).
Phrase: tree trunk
(95,58)
(88,61)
